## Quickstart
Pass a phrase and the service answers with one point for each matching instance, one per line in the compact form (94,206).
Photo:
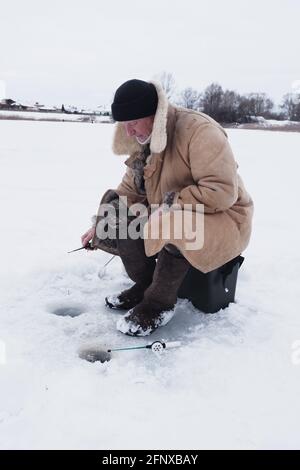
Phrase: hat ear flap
(159,132)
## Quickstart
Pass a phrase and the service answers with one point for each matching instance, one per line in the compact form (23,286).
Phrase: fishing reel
(158,346)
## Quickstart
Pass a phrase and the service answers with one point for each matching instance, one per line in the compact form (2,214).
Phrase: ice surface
(233,382)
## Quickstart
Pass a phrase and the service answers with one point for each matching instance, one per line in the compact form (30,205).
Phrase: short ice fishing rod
(156,346)
(88,246)
(93,354)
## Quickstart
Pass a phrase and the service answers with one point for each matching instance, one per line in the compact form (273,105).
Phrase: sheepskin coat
(191,156)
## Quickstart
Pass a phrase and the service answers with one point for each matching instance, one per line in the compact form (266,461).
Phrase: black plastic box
(211,291)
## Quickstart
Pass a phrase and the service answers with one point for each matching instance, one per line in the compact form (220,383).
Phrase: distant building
(7,102)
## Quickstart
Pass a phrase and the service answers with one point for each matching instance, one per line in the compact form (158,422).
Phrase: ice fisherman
(177,158)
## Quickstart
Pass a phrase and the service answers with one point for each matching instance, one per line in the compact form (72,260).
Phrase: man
(177,157)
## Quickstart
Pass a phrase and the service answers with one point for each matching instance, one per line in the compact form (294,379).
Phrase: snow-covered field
(36,116)
(234,382)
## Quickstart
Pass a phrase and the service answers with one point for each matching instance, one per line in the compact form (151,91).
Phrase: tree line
(228,106)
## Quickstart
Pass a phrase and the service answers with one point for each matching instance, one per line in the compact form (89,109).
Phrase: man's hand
(88,236)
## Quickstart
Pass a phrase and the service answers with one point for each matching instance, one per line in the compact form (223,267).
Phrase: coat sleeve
(125,188)
(213,169)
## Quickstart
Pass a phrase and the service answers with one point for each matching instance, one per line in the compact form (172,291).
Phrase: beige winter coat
(190,154)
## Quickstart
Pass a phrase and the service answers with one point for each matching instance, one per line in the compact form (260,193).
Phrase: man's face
(139,128)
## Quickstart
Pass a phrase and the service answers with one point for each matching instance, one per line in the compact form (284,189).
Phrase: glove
(109,196)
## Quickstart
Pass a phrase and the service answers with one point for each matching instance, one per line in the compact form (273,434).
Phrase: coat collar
(124,145)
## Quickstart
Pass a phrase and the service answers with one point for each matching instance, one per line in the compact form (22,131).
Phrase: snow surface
(234,382)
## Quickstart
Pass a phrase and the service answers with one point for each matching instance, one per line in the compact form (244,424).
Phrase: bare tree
(228,111)
(167,81)
(190,98)
(254,104)
(291,107)
(244,109)
(211,100)
(260,104)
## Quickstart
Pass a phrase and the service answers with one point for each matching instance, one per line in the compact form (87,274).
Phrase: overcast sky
(79,51)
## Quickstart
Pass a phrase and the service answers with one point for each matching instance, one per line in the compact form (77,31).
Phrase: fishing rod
(88,246)
(93,354)
(156,346)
